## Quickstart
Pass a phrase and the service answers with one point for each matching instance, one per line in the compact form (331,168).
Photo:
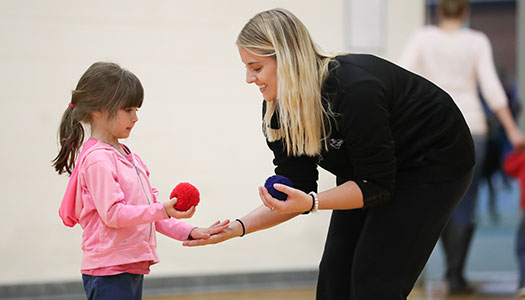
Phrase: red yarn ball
(187,196)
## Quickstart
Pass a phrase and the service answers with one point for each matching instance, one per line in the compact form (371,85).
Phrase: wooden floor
(294,294)
(431,291)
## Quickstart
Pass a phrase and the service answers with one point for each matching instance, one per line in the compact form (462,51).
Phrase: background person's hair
(103,87)
(453,8)
(301,70)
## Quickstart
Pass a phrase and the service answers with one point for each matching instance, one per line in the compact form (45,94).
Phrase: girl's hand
(297,201)
(205,233)
(172,212)
(231,230)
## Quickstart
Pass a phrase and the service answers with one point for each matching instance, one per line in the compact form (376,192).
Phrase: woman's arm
(344,196)
(259,219)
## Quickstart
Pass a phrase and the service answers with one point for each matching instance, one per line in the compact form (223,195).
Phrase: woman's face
(261,70)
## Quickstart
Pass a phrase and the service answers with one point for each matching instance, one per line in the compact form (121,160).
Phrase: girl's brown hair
(103,87)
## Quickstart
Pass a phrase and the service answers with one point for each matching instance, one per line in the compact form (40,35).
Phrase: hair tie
(71,105)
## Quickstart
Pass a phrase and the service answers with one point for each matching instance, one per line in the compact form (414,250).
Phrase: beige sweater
(458,62)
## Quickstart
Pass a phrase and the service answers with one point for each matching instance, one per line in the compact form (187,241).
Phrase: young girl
(109,193)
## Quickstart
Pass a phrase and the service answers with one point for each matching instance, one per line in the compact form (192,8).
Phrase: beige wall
(200,123)
(403,18)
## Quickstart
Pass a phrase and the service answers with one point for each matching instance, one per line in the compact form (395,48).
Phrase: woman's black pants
(378,253)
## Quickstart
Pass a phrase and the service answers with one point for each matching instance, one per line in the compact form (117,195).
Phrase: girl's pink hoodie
(118,212)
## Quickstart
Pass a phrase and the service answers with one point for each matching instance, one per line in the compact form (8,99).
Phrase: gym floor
(431,291)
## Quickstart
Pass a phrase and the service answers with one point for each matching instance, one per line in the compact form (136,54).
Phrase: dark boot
(456,240)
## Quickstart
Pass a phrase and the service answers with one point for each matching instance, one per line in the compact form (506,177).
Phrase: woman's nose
(250,78)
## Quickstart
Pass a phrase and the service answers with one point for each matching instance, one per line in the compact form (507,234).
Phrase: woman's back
(393,100)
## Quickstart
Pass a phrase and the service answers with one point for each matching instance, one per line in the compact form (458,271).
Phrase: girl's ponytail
(71,136)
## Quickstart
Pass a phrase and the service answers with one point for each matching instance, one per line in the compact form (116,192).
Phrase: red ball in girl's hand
(187,196)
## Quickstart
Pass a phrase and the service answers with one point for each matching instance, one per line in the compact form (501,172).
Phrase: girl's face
(118,127)
(261,70)
(124,122)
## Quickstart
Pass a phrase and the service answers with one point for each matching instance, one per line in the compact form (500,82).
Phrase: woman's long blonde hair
(301,70)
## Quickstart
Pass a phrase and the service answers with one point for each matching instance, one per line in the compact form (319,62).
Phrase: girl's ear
(100,114)
(97,114)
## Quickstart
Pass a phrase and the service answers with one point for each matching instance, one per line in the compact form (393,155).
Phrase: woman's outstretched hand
(297,201)
(205,233)
(231,230)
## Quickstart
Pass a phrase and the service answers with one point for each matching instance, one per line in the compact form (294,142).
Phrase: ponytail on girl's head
(71,135)
(104,86)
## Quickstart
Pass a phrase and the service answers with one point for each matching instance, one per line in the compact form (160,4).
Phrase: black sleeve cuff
(374,194)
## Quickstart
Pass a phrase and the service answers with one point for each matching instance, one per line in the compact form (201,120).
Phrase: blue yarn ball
(277,179)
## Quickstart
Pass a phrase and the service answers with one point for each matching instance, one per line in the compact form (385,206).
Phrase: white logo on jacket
(336,143)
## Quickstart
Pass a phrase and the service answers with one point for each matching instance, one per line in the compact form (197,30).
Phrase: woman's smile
(261,71)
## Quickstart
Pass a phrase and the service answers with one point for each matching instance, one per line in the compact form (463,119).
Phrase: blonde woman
(459,60)
(398,145)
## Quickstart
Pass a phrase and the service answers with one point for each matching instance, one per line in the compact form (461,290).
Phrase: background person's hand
(517,140)
(297,201)
(172,212)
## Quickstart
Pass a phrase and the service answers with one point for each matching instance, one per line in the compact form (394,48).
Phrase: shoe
(456,238)
(460,287)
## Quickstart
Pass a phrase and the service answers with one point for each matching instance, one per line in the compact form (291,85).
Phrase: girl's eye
(256,69)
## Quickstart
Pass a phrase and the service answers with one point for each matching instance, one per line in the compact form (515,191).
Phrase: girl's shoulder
(100,152)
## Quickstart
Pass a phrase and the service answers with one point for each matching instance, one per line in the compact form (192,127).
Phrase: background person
(458,60)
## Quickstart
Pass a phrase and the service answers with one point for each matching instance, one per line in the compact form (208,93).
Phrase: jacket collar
(101,145)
